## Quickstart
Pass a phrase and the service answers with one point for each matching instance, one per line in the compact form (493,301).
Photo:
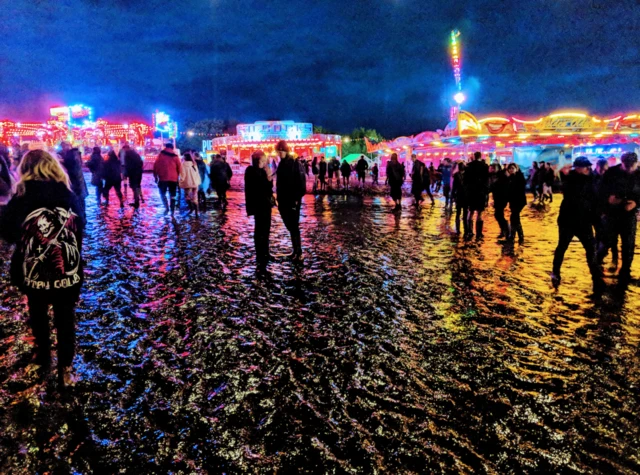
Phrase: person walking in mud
(446,171)
(602,165)
(166,172)
(458,194)
(315,171)
(499,188)
(96,167)
(322,173)
(517,198)
(291,186)
(45,221)
(576,219)
(345,171)
(395,178)
(258,189)
(113,178)
(361,169)
(220,175)
(418,173)
(620,195)
(375,171)
(476,181)
(189,182)
(133,169)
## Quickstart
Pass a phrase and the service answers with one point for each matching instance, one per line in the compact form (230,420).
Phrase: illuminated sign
(281,130)
(162,123)
(68,114)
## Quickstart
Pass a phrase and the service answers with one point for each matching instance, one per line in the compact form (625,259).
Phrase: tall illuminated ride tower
(459,96)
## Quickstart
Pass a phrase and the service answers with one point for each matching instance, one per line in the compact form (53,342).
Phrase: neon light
(494,119)
(630,117)
(528,121)
(568,114)
(614,119)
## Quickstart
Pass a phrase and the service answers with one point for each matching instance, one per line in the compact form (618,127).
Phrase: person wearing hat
(620,196)
(291,186)
(258,191)
(577,217)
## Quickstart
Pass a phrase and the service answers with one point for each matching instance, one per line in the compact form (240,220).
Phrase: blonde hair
(38,165)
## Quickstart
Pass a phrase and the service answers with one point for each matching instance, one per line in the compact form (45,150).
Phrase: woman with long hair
(190,181)
(45,221)
(113,177)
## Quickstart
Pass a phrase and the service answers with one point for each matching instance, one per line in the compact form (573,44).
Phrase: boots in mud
(479,226)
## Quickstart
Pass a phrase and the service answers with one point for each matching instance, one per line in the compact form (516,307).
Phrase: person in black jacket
(322,173)
(418,173)
(258,191)
(602,165)
(291,186)
(476,181)
(517,198)
(220,174)
(72,162)
(458,194)
(202,170)
(113,177)
(577,216)
(345,171)
(133,168)
(620,197)
(395,178)
(45,221)
(362,168)
(96,167)
(499,188)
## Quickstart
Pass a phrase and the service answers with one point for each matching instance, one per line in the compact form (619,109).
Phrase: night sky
(341,64)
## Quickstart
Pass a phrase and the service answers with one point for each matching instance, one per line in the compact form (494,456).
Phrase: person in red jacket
(166,172)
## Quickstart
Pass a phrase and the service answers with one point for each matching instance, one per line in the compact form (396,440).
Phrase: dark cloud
(341,64)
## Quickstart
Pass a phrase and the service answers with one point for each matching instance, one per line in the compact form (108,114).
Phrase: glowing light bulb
(459,98)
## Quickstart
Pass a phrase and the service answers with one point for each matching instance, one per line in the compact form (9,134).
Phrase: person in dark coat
(418,173)
(476,181)
(446,171)
(538,180)
(458,194)
(322,173)
(258,191)
(620,197)
(204,172)
(113,177)
(517,198)
(220,175)
(133,168)
(96,167)
(602,165)
(533,180)
(315,170)
(291,186)
(499,188)
(345,171)
(576,218)
(375,171)
(361,168)
(395,178)
(548,179)
(72,162)
(45,221)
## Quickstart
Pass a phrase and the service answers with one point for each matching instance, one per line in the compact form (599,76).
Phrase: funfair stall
(264,135)
(556,138)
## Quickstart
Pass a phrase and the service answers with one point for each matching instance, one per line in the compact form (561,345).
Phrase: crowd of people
(43,211)
(324,171)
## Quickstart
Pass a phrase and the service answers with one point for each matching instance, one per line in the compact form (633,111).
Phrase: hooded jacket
(112,169)
(46,225)
(96,167)
(133,167)
(516,191)
(73,166)
(345,169)
(189,176)
(167,166)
